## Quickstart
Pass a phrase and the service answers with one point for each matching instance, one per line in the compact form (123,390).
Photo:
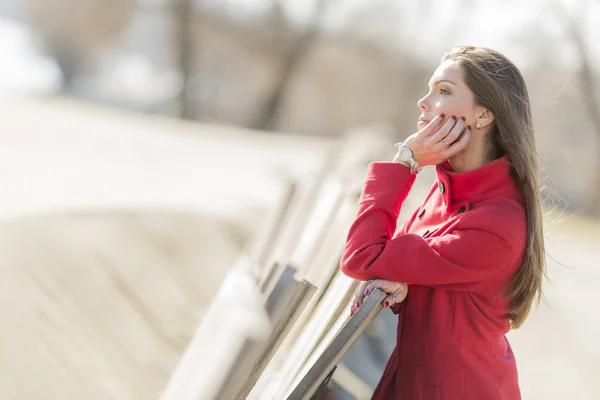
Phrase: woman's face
(448,94)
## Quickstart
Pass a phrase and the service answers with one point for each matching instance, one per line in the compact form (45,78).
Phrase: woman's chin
(421,124)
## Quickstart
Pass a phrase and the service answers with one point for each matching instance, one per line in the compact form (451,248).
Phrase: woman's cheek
(444,107)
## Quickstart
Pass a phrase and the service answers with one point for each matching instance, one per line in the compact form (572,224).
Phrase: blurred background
(144,142)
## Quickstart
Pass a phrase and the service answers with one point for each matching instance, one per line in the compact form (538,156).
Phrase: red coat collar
(487,181)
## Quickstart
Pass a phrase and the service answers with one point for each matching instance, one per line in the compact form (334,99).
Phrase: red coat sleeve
(469,254)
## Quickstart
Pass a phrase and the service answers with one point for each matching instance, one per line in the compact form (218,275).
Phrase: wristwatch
(406,155)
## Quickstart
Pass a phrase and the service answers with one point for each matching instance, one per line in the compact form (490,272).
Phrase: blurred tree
(184,14)
(587,83)
(291,59)
(588,87)
(76,31)
(232,57)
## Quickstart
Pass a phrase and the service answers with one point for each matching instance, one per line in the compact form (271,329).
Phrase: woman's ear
(484,119)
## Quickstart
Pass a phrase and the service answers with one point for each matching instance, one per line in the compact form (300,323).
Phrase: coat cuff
(387,183)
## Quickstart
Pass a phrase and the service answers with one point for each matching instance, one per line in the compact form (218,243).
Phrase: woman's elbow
(358,262)
(355,270)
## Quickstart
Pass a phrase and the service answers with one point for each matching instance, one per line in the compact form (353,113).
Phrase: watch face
(406,154)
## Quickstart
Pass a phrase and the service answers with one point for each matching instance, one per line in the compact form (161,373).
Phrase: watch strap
(414,165)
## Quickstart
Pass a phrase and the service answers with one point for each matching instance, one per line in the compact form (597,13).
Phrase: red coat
(456,252)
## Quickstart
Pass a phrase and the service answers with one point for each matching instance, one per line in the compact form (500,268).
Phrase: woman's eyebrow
(444,80)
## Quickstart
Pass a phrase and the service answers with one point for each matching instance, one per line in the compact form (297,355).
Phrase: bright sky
(446,23)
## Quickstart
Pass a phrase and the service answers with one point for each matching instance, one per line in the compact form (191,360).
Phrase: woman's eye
(444,91)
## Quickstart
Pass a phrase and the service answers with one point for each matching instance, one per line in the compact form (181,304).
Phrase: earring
(478,125)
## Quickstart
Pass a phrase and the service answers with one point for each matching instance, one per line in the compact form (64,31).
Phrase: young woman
(468,264)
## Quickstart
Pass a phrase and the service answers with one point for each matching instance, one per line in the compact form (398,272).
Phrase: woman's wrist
(404,156)
(397,160)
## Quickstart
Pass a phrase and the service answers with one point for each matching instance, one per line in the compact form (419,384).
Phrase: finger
(359,296)
(456,130)
(375,284)
(396,298)
(450,138)
(428,130)
(384,285)
(353,307)
(459,145)
(443,132)
(388,302)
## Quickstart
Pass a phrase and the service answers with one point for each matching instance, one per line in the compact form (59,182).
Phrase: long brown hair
(499,87)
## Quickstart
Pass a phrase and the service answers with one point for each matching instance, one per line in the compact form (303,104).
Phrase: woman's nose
(422,104)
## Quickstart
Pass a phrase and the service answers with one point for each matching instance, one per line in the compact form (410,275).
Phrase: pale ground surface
(557,349)
(115,232)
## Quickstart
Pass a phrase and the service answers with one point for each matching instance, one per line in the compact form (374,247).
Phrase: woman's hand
(431,147)
(396,293)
